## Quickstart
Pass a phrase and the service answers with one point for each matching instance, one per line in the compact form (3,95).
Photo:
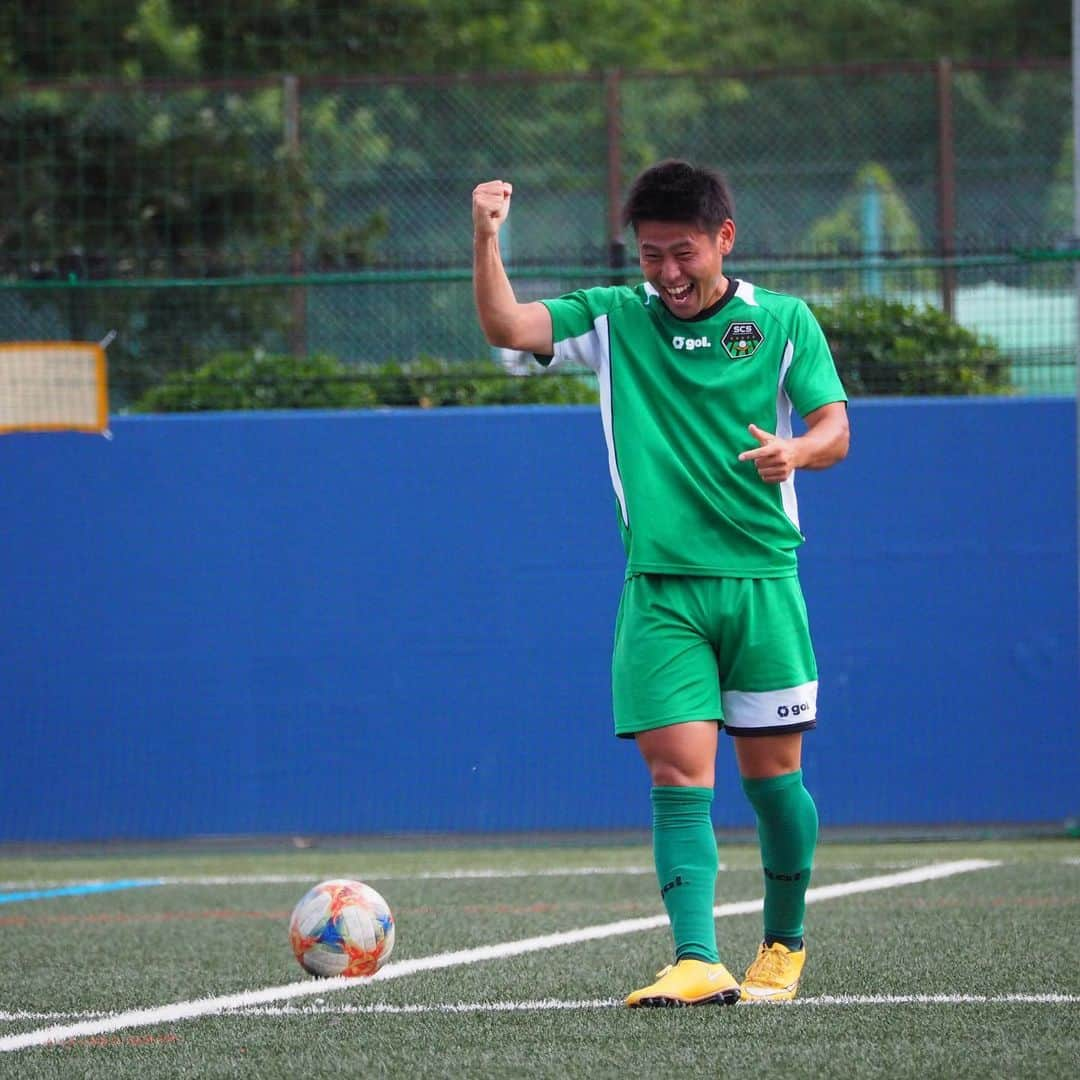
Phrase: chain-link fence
(316,214)
(1023,307)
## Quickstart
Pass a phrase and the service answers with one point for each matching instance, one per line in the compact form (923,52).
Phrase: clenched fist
(490,205)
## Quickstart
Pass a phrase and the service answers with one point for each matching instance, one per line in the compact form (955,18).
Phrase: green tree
(107,182)
(98,38)
(841,232)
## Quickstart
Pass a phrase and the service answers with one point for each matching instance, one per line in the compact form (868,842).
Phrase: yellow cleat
(774,974)
(688,982)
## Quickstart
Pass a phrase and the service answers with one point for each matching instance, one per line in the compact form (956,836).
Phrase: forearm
(824,443)
(506,323)
(496,304)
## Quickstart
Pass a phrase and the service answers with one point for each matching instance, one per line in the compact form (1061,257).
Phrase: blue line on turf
(78,890)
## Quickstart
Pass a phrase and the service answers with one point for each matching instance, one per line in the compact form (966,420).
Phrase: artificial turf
(990,933)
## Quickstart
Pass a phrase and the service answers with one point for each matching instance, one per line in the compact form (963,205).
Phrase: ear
(725,237)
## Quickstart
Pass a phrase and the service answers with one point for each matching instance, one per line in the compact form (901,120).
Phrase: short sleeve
(812,380)
(578,325)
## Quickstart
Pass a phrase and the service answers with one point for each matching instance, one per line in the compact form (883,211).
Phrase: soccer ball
(341,927)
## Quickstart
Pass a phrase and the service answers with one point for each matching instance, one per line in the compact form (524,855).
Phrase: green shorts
(734,650)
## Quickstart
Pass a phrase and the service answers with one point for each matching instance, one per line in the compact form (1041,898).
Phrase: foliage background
(44,39)
(171,166)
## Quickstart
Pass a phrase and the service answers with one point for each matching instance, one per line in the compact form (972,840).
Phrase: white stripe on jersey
(783,429)
(603,376)
(593,348)
(745,292)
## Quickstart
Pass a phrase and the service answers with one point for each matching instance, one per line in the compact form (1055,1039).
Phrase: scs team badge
(742,339)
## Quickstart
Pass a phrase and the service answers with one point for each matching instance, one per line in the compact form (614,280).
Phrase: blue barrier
(400,621)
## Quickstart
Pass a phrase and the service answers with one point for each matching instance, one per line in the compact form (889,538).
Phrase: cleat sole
(724,997)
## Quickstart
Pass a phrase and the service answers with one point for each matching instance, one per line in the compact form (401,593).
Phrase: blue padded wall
(400,621)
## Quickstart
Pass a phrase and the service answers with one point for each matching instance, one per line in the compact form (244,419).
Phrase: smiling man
(699,375)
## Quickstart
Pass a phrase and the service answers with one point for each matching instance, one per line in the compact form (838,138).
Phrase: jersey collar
(705,313)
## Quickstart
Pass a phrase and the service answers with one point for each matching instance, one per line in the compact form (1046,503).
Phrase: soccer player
(698,376)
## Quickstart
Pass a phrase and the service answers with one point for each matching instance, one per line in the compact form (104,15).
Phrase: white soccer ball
(341,927)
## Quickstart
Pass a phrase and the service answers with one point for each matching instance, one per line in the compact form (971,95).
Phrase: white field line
(306,879)
(214,1006)
(430,875)
(319,1008)
(481,873)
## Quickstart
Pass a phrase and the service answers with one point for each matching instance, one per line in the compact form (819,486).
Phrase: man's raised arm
(505,322)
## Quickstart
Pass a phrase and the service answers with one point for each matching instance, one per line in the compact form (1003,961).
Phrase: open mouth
(680,295)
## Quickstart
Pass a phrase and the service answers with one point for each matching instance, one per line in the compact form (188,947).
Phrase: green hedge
(880,346)
(256,380)
(888,348)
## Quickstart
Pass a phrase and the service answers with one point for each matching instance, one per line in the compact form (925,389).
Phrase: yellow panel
(53,386)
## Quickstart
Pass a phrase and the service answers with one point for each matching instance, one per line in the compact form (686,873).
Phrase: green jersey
(676,397)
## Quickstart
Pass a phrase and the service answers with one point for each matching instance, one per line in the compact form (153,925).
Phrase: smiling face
(684,264)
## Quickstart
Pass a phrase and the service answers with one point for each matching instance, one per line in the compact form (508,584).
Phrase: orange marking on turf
(142,917)
(121,918)
(98,1041)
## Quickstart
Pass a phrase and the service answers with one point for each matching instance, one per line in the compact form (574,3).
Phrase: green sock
(787,830)
(684,849)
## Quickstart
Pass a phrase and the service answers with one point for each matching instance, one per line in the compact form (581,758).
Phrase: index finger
(757,452)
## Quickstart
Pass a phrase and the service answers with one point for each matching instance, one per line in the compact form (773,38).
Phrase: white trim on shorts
(760,712)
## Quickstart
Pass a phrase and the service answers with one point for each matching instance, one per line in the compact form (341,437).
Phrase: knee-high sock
(684,848)
(787,824)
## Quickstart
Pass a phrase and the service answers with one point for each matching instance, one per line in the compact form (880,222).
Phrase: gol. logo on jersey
(742,339)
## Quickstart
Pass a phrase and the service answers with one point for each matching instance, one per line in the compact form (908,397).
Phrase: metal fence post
(290,108)
(613,110)
(946,184)
(1076,229)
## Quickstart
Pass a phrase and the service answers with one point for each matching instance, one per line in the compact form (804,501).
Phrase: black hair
(675,190)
